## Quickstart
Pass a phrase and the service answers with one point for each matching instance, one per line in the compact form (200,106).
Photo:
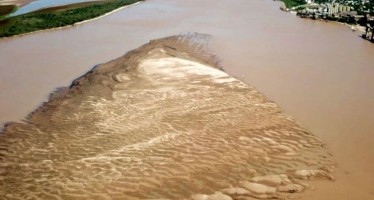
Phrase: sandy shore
(163,121)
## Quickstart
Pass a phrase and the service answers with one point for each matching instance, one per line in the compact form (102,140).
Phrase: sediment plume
(162,122)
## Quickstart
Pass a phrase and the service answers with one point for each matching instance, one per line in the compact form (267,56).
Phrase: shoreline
(287,10)
(72,25)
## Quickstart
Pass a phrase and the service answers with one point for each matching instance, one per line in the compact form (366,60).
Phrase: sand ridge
(159,122)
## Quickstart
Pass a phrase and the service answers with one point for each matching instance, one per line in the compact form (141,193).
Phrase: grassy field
(46,20)
(292,3)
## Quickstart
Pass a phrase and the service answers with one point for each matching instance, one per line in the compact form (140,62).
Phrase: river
(320,73)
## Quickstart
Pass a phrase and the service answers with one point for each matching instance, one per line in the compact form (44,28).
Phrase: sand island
(161,122)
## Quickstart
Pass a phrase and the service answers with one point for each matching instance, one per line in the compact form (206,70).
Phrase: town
(359,14)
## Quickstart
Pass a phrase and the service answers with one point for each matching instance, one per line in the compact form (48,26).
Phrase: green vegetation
(41,21)
(293,3)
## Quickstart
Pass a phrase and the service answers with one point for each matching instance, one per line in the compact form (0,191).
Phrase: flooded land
(164,121)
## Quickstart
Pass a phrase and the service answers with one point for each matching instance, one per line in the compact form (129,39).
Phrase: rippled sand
(159,123)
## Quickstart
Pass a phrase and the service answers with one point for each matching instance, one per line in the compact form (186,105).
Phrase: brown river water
(320,73)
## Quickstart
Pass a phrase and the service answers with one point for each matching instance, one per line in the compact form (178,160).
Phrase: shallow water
(318,72)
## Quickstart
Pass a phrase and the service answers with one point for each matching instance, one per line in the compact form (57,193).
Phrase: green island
(53,18)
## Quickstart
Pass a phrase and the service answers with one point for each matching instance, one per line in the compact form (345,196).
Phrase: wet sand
(317,72)
(161,122)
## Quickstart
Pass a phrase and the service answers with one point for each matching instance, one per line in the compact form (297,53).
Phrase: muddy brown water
(320,73)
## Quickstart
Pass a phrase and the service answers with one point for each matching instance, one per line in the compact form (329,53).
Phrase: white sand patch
(179,68)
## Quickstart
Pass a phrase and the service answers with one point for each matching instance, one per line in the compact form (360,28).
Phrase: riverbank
(6,9)
(334,12)
(33,22)
(13,4)
(16,2)
(292,3)
(352,26)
